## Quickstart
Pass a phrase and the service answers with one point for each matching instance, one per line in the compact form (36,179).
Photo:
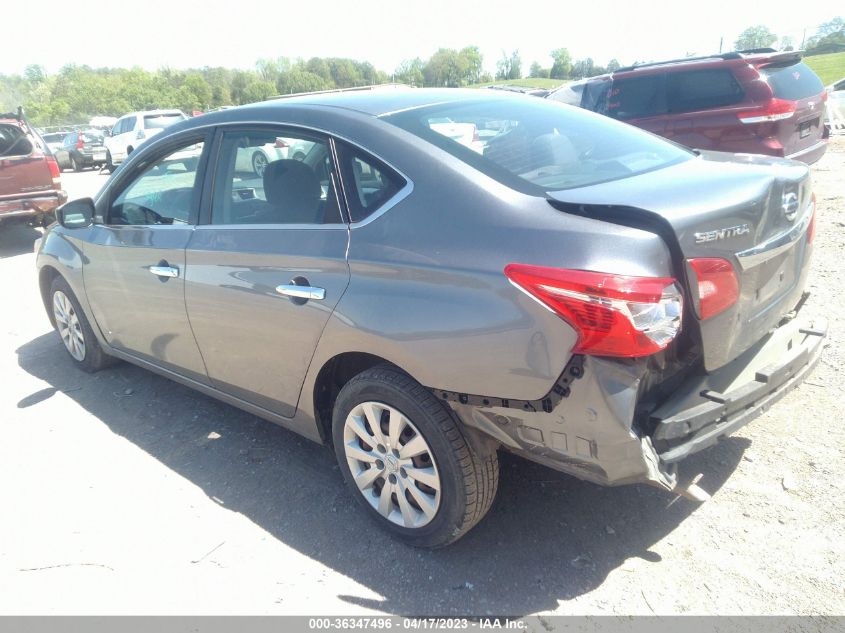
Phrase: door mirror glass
(77,214)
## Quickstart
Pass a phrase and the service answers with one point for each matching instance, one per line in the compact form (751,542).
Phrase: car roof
(381,102)
(754,57)
(149,112)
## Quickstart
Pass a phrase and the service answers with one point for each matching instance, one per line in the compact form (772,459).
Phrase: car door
(135,261)
(266,266)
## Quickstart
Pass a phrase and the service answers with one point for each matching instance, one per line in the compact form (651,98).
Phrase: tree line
(76,93)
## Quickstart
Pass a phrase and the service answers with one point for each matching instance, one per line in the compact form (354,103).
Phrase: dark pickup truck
(30,186)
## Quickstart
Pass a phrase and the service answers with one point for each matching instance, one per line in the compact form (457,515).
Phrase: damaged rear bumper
(714,405)
(595,429)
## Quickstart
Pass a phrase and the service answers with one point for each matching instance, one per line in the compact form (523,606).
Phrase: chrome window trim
(388,204)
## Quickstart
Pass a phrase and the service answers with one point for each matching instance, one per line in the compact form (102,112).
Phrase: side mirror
(77,214)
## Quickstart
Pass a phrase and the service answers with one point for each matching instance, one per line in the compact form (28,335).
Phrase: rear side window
(369,182)
(702,89)
(637,97)
(792,82)
(13,141)
(161,121)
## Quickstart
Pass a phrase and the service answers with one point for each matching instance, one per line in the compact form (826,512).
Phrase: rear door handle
(164,271)
(301,292)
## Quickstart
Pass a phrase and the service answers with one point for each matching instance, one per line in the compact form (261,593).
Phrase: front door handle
(164,271)
(301,292)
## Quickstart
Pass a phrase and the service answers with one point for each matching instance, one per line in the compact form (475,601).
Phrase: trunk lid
(751,210)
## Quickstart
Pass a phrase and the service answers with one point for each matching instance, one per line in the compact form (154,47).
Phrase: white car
(836,106)
(133,129)
(256,159)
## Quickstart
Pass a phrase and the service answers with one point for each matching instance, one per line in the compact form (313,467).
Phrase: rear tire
(75,165)
(74,330)
(438,485)
(110,166)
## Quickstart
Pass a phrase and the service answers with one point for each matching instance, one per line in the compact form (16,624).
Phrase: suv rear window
(538,145)
(13,141)
(161,121)
(702,89)
(792,82)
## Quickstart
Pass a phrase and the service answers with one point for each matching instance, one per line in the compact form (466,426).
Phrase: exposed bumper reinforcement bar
(721,402)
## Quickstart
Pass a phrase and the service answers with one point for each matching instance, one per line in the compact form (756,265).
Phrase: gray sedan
(565,287)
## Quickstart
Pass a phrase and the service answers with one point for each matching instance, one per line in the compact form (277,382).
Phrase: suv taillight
(55,172)
(614,315)
(718,288)
(774,110)
(80,142)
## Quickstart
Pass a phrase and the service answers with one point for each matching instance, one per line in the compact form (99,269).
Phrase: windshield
(536,145)
(161,121)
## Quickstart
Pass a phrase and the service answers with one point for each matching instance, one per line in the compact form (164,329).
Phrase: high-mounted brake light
(774,110)
(718,288)
(614,315)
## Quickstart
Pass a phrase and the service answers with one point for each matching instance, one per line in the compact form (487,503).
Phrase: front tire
(74,330)
(408,462)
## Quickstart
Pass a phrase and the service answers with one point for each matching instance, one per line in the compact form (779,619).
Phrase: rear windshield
(537,145)
(92,136)
(793,82)
(13,141)
(161,121)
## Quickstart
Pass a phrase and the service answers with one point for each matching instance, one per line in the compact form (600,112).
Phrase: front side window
(693,90)
(270,177)
(164,193)
(538,145)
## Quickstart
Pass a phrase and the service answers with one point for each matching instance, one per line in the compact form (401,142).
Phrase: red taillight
(774,110)
(281,144)
(80,142)
(718,288)
(614,315)
(811,229)
(54,167)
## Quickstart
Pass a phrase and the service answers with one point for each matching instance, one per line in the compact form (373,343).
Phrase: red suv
(30,188)
(756,102)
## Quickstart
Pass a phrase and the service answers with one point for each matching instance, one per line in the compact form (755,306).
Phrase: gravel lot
(125,493)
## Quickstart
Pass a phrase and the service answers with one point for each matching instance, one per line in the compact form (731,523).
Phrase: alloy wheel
(392,464)
(259,163)
(68,325)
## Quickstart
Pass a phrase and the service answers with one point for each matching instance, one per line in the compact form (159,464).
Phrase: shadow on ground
(17,239)
(518,560)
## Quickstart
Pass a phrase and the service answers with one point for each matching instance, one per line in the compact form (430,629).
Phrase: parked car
(257,160)
(581,293)
(133,129)
(571,93)
(54,140)
(82,149)
(755,102)
(30,186)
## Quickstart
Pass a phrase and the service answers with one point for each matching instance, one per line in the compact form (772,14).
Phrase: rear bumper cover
(595,431)
(717,404)
(32,206)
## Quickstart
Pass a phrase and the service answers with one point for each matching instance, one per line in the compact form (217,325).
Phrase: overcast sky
(235,33)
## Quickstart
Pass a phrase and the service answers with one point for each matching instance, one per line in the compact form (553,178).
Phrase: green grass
(829,68)
(531,82)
